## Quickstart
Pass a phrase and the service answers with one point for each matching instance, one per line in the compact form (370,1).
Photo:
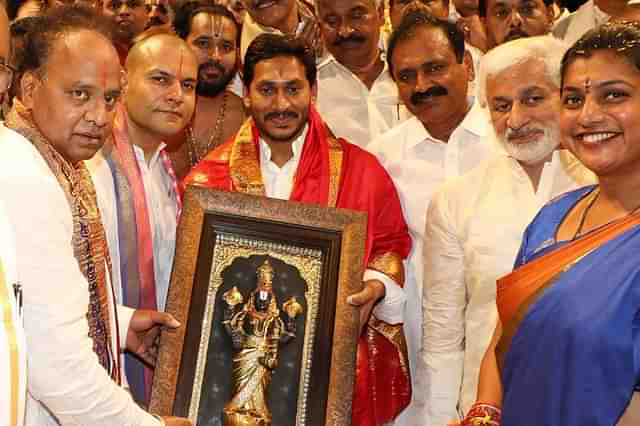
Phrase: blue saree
(574,356)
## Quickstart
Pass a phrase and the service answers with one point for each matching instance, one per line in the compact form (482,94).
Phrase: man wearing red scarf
(286,151)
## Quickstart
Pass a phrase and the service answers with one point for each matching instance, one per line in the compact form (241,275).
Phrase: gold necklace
(196,155)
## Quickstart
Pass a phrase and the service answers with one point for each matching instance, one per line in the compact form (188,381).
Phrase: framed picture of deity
(267,337)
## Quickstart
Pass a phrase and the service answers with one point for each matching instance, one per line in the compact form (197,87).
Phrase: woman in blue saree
(567,350)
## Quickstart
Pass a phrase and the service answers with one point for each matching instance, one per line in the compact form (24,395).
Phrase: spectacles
(6,76)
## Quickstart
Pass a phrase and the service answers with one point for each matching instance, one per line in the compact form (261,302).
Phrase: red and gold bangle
(482,414)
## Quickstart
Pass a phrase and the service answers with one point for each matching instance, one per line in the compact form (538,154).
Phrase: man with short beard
(475,223)
(286,151)
(130,19)
(292,17)
(213,35)
(444,139)
(137,189)
(507,20)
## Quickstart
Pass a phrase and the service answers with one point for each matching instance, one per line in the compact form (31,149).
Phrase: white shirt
(418,163)
(351,110)
(13,369)
(278,183)
(574,26)
(162,207)
(65,379)
(474,227)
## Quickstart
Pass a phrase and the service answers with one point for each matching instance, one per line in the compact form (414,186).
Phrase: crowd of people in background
(492,144)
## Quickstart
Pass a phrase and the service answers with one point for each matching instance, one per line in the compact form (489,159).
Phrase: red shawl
(335,173)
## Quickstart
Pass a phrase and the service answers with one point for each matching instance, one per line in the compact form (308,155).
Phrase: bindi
(587,85)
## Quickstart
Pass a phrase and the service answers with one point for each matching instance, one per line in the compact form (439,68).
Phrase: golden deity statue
(256,331)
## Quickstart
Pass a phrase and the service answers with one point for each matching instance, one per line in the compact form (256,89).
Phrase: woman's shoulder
(542,230)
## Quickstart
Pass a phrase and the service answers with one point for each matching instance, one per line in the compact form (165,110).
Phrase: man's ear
(246,100)
(314,93)
(467,61)
(29,83)
(550,17)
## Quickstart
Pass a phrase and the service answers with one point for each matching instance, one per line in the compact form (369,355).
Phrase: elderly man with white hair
(475,223)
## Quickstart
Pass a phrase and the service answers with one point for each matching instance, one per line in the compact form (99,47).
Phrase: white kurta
(353,111)
(575,25)
(474,228)
(278,183)
(418,165)
(65,378)
(13,373)
(162,207)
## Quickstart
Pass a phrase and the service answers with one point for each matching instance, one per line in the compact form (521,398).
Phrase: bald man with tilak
(135,181)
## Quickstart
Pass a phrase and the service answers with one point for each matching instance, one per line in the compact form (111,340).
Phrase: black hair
(268,46)
(623,38)
(57,22)
(482,6)
(186,12)
(416,19)
(24,26)
(21,30)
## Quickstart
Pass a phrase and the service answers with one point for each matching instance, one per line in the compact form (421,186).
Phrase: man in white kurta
(135,182)
(474,223)
(64,374)
(12,345)
(419,162)
(357,97)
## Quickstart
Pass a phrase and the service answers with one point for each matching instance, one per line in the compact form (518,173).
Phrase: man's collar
(139,152)
(296,146)
(330,59)
(475,121)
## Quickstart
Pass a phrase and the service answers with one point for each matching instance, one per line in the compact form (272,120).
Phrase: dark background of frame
(329,242)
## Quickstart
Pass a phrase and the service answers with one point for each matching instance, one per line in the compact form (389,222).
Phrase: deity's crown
(265,276)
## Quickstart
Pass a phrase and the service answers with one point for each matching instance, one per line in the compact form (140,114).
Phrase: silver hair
(547,49)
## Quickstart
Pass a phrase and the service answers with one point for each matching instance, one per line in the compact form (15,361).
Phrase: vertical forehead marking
(216,25)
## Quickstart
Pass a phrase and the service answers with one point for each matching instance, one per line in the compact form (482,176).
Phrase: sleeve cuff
(391,308)
(124,318)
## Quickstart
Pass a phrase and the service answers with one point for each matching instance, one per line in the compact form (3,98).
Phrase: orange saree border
(517,291)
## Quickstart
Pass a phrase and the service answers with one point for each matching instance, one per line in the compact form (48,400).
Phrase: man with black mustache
(213,35)
(444,139)
(160,13)
(135,182)
(356,94)
(292,17)
(507,20)
(286,151)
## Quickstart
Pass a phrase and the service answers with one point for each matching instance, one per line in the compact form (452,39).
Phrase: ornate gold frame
(326,245)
